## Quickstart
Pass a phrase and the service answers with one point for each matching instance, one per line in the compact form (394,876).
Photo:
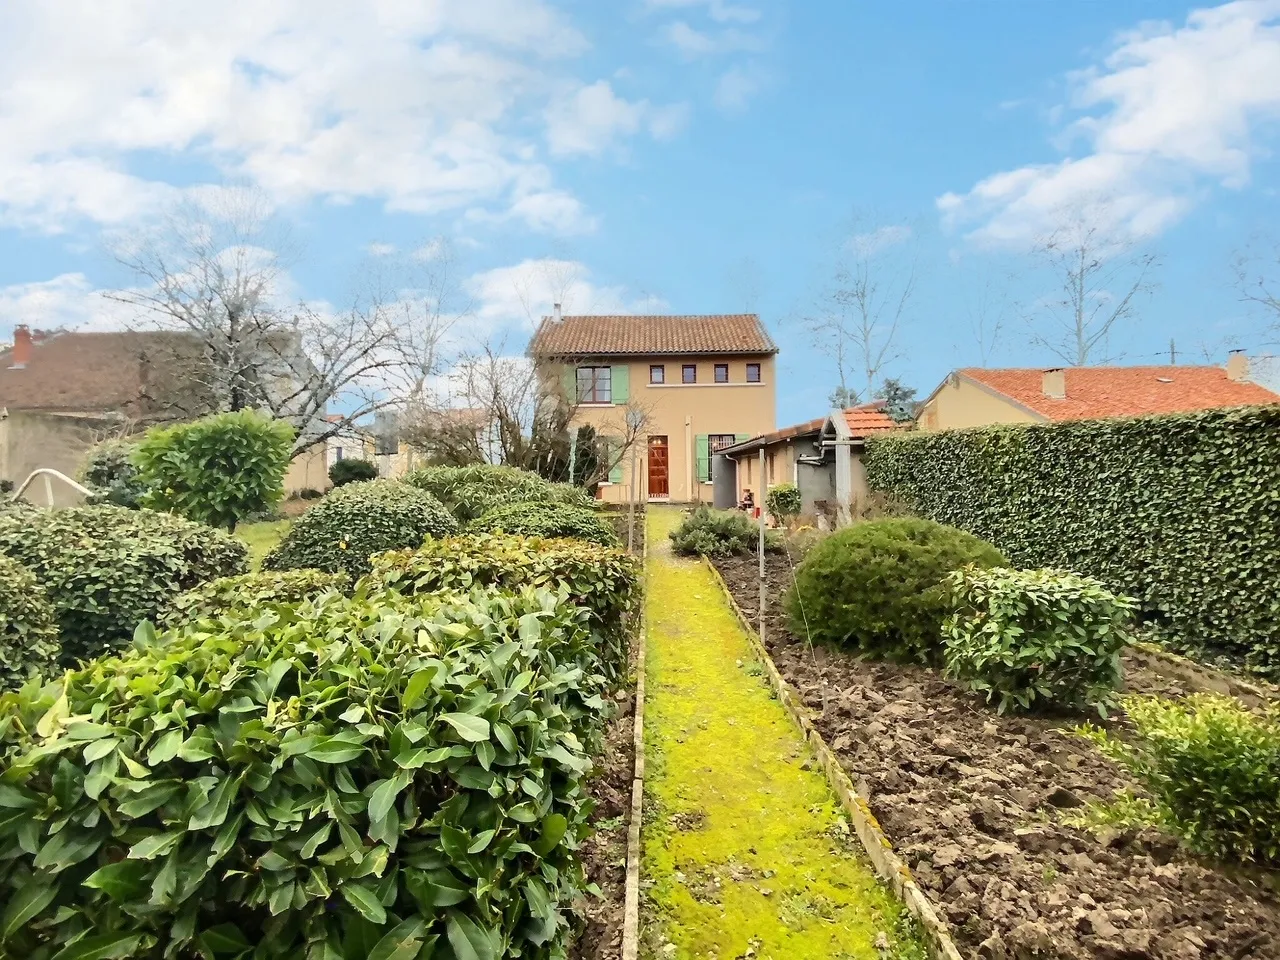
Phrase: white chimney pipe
(556,316)
(1054,384)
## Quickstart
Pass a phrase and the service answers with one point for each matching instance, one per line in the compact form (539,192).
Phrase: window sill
(732,383)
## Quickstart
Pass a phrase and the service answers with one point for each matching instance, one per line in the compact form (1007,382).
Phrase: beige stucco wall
(31,440)
(962,403)
(779,466)
(308,471)
(682,412)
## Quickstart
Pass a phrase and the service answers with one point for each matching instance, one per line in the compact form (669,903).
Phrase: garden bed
(616,515)
(972,802)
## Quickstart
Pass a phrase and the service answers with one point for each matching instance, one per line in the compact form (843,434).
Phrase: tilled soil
(972,800)
(604,853)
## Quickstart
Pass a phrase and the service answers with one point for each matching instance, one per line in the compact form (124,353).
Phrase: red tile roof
(862,420)
(599,336)
(1123,391)
(867,419)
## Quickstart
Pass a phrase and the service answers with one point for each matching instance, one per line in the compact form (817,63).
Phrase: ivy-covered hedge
(1180,511)
(469,492)
(547,520)
(29,644)
(105,568)
(375,777)
(233,595)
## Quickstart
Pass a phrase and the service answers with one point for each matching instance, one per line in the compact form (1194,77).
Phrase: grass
(747,851)
(261,537)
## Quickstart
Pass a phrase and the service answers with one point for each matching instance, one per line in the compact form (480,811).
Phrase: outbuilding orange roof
(866,420)
(1123,391)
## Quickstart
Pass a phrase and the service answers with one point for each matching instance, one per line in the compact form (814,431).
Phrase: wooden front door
(658,467)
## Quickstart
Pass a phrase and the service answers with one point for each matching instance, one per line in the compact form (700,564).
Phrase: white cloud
(873,241)
(417,104)
(68,301)
(718,10)
(1168,111)
(381,249)
(736,87)
(593,118)
(693,43)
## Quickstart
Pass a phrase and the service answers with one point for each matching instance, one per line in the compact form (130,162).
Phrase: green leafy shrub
(1177,511)
(1212,767)
(470,492)
(217,470)
(351,470)
(604,581)
(350,778)
(877,587)
(720,533)
(108,470)
(341,532)
(105,568)
(783,501)
(547,520)
(234,595)
(29,644)
(1029,638)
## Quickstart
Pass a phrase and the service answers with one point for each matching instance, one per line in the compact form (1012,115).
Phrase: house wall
(308,471)
(30,440)
(962,403)
(682,413)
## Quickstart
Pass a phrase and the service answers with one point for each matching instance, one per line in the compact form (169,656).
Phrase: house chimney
(21,353)
(1237,365)
(556,316)
(1054,384)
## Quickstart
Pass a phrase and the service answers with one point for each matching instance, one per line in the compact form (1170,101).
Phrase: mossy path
(746,851)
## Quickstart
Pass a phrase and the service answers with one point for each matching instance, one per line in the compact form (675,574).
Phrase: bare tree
(988,313)
(214,277)
(859,315)
(1257,278)
(1103,274)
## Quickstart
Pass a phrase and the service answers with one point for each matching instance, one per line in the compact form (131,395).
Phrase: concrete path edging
(874,841)
(631,915)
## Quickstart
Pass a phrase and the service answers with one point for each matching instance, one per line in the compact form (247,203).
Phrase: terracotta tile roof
(135,374)
(778,436)
(867,419)
(1123,391)
(599,336)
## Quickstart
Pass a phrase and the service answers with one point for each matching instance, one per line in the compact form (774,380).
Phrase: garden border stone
(631,914)
(878,848)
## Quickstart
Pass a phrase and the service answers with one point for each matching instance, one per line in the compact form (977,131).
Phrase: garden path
(746,850)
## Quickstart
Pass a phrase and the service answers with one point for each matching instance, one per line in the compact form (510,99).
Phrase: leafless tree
(988,313)
(1103,274)
(1257,279)
(859,314)
(214,276)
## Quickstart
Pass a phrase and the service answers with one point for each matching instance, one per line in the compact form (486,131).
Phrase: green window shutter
(704,458)
(621,383)
(615,472)
(569,381)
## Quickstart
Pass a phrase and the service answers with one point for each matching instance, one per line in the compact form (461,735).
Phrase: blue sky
(680,155)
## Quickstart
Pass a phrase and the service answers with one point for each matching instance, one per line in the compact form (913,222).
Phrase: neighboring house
(822,457)
(701,383)
(975,397)
(60,392)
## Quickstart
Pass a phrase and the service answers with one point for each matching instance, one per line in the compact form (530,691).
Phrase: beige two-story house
(698,383)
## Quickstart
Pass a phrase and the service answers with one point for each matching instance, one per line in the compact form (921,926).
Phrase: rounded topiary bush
(108,470)
(547,520)
(720,533)
(470,492)
(783,501)
(106,568)
(878,588)
(29,644)
(341,532)
(229,595)
(351,470)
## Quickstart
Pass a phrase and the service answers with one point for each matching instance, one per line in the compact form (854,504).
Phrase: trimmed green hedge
(469,492)
(1180,511)
(29,644)
(547,520)
(234,595)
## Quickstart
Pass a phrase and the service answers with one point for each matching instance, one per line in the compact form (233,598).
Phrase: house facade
(976,397)
(683,386)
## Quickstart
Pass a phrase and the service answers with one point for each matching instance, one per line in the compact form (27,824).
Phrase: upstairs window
(722,373)
(689,373)
(657,373)
(595,385)
(753,373)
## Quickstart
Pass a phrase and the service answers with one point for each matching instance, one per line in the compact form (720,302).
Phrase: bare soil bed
(972,801)
(604,853)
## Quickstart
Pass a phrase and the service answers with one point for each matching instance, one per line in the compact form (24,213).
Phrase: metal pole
(763,485)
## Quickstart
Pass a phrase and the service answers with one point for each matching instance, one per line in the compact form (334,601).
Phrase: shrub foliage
(217,470)
(783,501)
(470,492)
(105,568)
(1212,767)
(29,644)
(719,533)
(351,778)
(351,470)
(1030,638)
(236,595)
(341,532)
(547,520)
(108,470)
(878,586)
(1178,511)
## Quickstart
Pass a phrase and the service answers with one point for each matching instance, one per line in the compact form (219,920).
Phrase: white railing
(48,475)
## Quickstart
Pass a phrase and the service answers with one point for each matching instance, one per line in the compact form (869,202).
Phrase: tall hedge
(1180,511)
